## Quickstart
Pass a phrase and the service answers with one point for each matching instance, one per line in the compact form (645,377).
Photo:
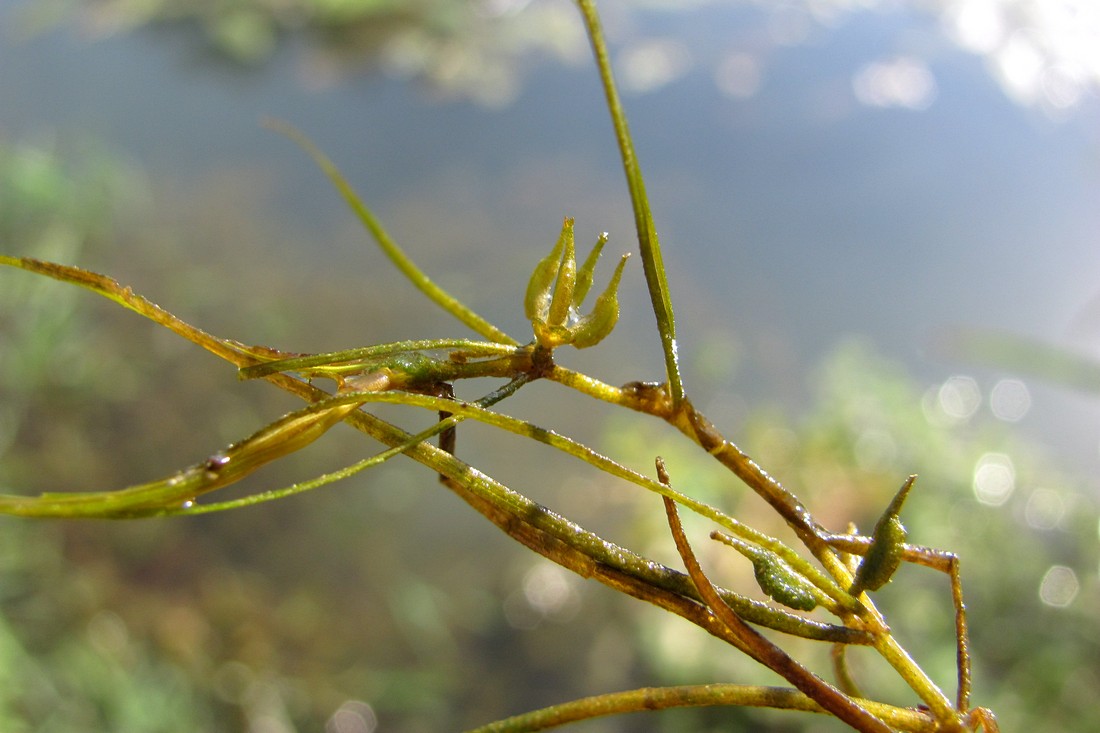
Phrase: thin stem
(664,698)
(918,681)
(614,468)
(300,362)
(568,544)
(649,245)
(843,674)
(654,399)
(288,491)
(758,647)
(761,613)
(348,471)
(397,256)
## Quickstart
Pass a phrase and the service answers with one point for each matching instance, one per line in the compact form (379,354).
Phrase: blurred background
(880,221)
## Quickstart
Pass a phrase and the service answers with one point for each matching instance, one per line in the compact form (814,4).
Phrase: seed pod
(594,328)
(540,288)
(562,301)
(887,546)
(774,576)
(883,558)
(781,582)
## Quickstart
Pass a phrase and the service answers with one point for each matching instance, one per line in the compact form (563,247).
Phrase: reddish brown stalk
(757,646)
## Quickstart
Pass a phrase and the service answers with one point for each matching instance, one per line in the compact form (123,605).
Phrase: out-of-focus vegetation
(300,615)
(1051,363)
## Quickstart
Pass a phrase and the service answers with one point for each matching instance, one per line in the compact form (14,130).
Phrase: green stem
(648,243)
(588,455)
(760,648)
(578,549)
(664,698)
(307,361)
(348,471)
(918,681)
(408,268)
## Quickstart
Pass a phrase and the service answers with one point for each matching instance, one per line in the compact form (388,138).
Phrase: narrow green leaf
(352,357)
(650,247)
(290,433)
(407,267)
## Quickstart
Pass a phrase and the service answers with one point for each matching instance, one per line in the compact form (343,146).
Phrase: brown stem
(758,647)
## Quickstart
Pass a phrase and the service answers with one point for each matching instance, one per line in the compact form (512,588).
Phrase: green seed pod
(540,288)
(883,558)
(584,275)
(887,546)
(774,576)
(411,369)
(594,328)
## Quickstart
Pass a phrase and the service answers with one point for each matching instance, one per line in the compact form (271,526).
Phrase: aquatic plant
(421,373)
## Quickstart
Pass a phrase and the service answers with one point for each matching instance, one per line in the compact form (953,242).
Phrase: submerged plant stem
(664,698)
(648,243)
(760,648)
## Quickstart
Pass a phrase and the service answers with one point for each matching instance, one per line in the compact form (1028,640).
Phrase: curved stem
(760,648)
(757,612)
(397,256)
(349,357)
(664,698)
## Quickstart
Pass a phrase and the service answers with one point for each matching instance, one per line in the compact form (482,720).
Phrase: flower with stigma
(557,289)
